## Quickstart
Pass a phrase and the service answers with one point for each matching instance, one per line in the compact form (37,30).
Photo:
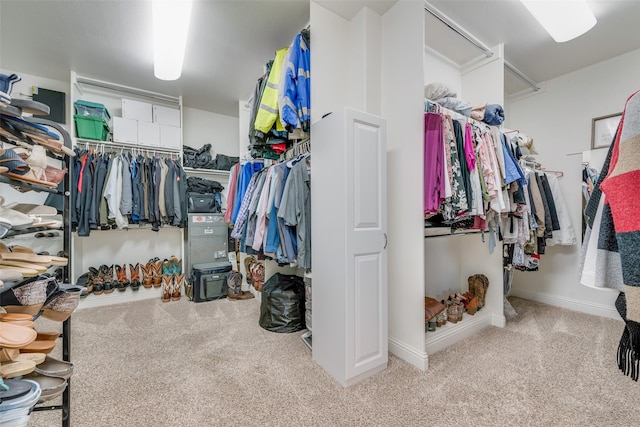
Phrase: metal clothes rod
(458,29)
(128,147)
(477,43)
(126,89)
(519,74)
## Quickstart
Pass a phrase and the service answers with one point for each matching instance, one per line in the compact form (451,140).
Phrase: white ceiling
(230,41)
(228,45)
(527,46)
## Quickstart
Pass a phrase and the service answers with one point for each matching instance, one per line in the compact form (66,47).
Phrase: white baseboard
(413,356)
(117,297)
(588,307)
(451,333)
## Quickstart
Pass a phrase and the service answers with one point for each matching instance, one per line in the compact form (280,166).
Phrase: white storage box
(125,130)
(170,137)
(148,134)
(166,116)
(137,110)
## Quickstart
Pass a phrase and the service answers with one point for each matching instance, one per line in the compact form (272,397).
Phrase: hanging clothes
(268,111)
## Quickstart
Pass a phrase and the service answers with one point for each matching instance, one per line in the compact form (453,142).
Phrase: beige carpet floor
(150,363)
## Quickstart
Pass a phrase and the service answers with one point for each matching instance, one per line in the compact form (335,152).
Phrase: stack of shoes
(234,287)
(24,352)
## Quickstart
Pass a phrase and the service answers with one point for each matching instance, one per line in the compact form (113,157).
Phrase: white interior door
(366,240)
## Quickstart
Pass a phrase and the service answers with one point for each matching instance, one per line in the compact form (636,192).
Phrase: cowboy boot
(177,265)
(177,287)
(95,278)
(234,287)
(121,273)
(157,274)
(248,262)
(134,270)
(167,287)
(257,272)
(167,267)
(93,273)
(107,278)
(147,277)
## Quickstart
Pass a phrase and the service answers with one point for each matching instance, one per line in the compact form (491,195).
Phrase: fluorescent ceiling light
(170,28)
(564,20)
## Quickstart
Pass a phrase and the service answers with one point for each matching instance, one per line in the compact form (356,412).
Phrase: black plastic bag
(282,306)
(225,163)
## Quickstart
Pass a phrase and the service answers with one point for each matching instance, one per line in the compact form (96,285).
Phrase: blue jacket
(296,102)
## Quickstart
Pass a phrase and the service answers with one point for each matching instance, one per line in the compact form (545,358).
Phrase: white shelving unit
(207,172)
(135,244)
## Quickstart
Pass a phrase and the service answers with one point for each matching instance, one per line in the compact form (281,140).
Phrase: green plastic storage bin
(93,109)
(90,127)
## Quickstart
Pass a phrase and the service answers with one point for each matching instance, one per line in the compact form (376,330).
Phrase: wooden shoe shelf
(65,233)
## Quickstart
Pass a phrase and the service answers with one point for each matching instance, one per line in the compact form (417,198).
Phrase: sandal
(37,161)
(27,297)
(14,336)
(62,303)
(14,219)
(13,163)
(55,260)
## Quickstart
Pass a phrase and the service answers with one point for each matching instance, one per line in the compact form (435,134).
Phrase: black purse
(203,203)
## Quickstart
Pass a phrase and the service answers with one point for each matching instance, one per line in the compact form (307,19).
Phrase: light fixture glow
(170,29)
(564,20)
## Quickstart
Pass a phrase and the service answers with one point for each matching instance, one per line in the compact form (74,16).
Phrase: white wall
(439,69)
(559,120)
(204,127)
(403,108)
(329,61)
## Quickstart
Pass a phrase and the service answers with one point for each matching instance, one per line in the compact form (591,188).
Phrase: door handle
(385,241)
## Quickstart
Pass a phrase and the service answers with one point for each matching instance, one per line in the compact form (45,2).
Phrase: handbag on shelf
(203,203)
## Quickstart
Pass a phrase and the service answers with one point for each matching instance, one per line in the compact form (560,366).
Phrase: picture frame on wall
(603,130)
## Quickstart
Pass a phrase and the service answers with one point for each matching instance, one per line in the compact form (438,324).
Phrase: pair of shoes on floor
(172,287)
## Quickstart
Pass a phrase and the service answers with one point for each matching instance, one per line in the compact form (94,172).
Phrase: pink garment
(232,192)
(433,162)
(469,154)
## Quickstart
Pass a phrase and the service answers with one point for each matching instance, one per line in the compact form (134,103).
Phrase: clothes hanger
(559,174)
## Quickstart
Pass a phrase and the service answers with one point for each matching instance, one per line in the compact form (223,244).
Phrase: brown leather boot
(147,276)
(167,287)
(234,287)
(97,282)
(248,263)
(257,272)
(177,287)
(121,273)
(134,271)
(107,278)
(157,274)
